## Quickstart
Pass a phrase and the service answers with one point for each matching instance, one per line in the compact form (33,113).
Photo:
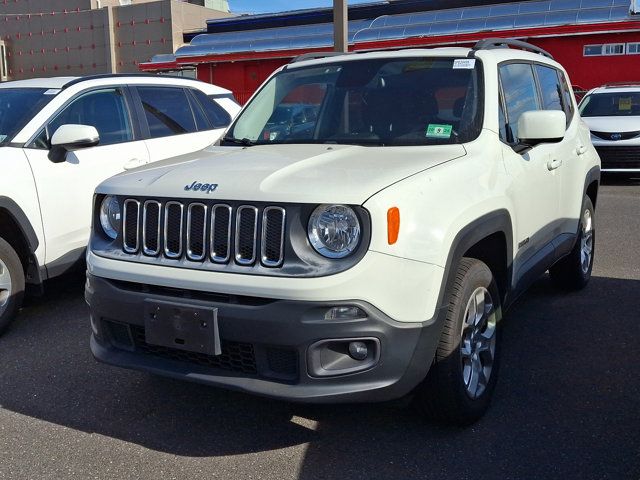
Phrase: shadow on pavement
(567,401)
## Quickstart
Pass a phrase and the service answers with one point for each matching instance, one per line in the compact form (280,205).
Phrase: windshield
(610,105)
(408,101)
(17,107)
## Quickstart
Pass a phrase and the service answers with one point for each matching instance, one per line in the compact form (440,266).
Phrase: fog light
(344,313)
(358,350)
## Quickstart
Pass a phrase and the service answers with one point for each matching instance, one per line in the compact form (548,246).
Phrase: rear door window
(217,115)
(167,110)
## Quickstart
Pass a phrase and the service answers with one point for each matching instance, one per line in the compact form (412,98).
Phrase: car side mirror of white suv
(542,126)
(71,137)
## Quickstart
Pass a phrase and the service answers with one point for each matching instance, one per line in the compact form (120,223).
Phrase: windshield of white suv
(619,104)
(17,107)
(406,101)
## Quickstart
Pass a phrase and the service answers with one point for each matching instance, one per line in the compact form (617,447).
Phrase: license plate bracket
(182,326)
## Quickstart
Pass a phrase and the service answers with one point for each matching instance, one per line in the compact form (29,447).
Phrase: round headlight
(334,230)
(110,216)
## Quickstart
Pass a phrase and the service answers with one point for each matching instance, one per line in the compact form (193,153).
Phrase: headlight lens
(334,230)
(110,216)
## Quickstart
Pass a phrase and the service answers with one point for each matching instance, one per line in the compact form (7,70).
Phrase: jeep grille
(199,232)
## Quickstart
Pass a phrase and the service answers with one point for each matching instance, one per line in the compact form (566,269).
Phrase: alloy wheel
(586,241)
(478,342)
(5,287)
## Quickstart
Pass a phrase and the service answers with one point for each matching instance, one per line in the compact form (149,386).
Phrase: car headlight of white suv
(110,216)
(334,230)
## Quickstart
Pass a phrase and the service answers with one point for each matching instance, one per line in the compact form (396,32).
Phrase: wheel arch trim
(497,221)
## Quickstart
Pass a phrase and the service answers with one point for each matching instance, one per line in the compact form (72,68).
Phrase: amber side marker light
(393,225)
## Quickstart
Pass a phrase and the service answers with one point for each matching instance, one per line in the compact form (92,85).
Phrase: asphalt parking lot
(567,404)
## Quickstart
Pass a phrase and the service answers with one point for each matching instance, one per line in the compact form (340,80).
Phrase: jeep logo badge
(201,187)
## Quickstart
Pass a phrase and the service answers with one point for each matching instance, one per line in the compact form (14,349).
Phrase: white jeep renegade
(362,252)
(60,137)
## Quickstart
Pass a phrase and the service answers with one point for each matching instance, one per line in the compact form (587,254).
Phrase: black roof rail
(491,43)
(317,55)
(100,76)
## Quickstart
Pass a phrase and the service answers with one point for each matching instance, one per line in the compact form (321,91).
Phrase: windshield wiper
(238,141)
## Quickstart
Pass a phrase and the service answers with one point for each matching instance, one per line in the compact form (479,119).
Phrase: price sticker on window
(624,103)
(439,131)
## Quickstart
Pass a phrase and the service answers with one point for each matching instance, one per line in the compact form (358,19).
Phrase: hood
(282,173)
(614,124)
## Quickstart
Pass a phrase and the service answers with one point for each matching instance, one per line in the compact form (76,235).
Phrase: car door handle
(553,164)
(134,163)
(581,150)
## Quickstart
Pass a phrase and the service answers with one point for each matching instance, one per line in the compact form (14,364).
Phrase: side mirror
(542,126)
(71,137)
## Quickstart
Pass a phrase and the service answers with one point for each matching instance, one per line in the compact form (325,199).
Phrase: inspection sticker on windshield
(464,63)
(439,131)
(52,91)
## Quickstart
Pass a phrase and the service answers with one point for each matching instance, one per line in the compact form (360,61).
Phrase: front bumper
(267,345)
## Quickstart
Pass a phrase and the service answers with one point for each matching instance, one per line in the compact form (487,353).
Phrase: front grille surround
(267,246)
(246,235)
(168,241)
(220,236)
(196,240)
(151,236)
(130,237)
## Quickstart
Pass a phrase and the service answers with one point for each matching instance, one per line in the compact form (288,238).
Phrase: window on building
(520,94)
(167,110)
(605,49)
(633,48)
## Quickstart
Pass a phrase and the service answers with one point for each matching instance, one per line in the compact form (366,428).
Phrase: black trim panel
(498,221)
(23,222)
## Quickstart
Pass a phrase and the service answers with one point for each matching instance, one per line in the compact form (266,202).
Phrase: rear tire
(11,284)
(573,272)
(460,383)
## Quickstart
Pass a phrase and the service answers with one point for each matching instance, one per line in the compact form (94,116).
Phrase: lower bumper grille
(236,357)
(279,363)
(619,157)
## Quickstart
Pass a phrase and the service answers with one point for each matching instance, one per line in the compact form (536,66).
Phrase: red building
(598,41)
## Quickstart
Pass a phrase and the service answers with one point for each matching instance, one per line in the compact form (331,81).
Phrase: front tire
(573,272)
(460,383)
(11,284)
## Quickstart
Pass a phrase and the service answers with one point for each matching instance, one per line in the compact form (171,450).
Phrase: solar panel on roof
(388,27)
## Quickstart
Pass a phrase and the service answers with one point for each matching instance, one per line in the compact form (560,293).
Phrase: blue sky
(267,6)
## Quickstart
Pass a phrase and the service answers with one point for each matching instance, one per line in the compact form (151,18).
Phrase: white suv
(364,255)
(612,113)
(61,137)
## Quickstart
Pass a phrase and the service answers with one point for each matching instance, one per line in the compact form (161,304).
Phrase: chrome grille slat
(130,226)
(246,234)
(173,239)
(151,228)
(272,240)
(199,231)
(196,232)
(220,241)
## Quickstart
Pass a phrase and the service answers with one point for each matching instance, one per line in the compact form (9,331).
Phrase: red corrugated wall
(244,76)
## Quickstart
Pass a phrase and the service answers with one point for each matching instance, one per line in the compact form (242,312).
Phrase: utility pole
(340,26)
